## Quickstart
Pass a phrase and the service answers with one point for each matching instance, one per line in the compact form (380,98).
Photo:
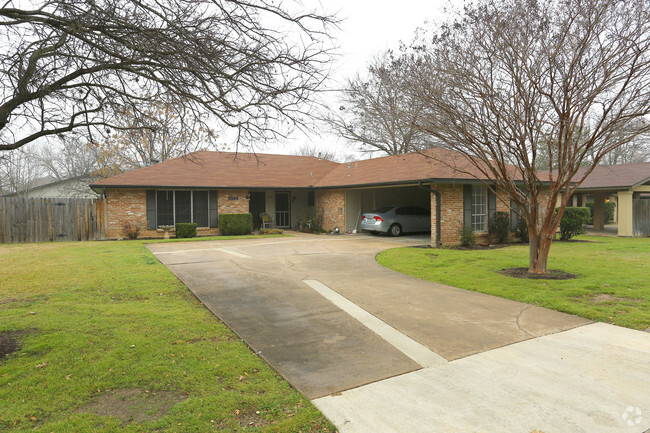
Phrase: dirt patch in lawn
(478,247)
(10,341)
(602,298)
(133,405)
(553,274)
(250,419)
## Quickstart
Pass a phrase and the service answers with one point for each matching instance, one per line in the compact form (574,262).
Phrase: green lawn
(111,341)
(613,283)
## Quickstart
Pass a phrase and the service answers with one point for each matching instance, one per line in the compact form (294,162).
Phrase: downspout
(438,212)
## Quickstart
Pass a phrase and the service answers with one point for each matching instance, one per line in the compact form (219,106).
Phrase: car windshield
(382,209)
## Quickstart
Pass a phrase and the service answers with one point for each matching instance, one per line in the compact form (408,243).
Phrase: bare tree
(322,153)
(19,172)
(73,157)
(154,132)
(376,113)
(509,76)
(70,64)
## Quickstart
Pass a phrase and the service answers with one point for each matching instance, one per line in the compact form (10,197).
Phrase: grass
(105,328)
(612,284)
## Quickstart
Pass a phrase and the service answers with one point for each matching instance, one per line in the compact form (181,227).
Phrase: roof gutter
(438,210)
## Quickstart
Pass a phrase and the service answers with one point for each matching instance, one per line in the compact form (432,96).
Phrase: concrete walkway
(379,351)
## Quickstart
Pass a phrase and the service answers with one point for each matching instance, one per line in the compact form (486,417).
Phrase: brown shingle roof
(615,176)
(226,169)
(406,167)
(229,170)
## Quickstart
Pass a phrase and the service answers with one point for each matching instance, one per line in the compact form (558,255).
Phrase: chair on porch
(266,220)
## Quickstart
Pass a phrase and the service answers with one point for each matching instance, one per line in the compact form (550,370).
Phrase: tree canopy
(72,64)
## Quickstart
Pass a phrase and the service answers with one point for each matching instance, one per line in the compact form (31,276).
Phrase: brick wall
(451,213)
(125,205)
(331,201)
(239,205)
(451,218)
(131,205)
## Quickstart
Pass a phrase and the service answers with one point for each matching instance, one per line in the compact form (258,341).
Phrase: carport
(360,200)
(629,186)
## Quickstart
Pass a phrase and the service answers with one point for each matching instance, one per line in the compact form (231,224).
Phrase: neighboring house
(76,187)
(202,185)
(629,186)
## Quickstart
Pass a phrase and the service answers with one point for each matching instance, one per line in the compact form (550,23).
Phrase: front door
(283,209)
(256,206)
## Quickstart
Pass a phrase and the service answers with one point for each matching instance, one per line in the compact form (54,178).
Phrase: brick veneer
(451,215)
(125,205)
(240,205)
(131,205)
(330,201)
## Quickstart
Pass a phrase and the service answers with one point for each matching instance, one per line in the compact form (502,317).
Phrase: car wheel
(395,230)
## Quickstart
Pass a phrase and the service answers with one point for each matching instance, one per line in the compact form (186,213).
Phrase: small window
(311,199)
(479,208)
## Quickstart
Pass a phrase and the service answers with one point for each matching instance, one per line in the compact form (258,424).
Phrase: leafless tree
(322,153)
(376,113)
(154,132)
(508,76)
(19,172)
(74,156)
(71,64)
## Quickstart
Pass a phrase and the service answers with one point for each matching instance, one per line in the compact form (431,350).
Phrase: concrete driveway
(378,351)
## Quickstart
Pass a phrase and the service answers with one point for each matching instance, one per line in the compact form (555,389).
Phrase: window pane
(479,208)
(183,207)
(165,207)
(200,199)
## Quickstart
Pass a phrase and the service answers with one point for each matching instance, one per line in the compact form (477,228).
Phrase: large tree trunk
(540,246)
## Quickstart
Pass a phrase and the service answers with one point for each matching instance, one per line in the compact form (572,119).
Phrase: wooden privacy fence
(52,219)
(641,217)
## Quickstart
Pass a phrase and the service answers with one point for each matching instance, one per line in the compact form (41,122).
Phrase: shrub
(522,231)
(499,228)
(235,223)
(467,237)
(185,230)
(610,209)
(573,221)
(131,230)
(271,231)
(311,220)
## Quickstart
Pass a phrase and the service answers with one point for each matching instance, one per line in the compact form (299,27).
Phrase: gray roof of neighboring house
(74,187)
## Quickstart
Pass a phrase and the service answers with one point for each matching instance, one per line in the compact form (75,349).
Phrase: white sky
(369,27)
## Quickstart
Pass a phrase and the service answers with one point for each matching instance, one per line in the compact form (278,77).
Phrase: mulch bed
(553,274)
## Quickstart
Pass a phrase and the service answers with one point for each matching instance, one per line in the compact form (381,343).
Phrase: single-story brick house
(202,185)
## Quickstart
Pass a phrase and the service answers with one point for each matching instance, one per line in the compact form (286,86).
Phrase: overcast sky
(368,27)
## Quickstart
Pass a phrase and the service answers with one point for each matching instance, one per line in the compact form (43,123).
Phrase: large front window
(182,207)
(479,208)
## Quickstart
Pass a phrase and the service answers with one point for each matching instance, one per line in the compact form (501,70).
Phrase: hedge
(235,223)
(185,230)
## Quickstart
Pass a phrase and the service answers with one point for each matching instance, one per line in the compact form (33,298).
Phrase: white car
(396,220)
